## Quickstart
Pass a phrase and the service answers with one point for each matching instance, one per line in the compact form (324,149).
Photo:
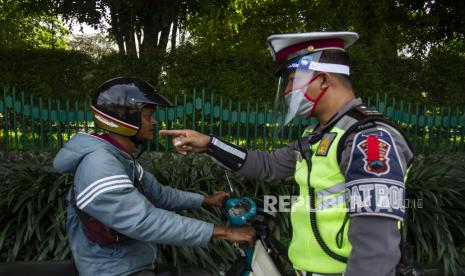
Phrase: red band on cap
(317,44)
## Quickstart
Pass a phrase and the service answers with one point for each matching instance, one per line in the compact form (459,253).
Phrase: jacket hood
(81,144)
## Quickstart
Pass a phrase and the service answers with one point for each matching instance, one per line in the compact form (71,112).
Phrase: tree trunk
(174,34)
(116,29)
(165,33)
(153,18)
(182,24)
(150,27)
(127,30)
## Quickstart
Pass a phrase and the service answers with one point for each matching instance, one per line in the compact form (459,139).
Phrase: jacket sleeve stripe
(141,171)
(102,186)
(95,183)
(84,204)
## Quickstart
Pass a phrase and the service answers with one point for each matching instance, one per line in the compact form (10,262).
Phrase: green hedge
(237,73)
(44,72)
(60,73)
(33,208)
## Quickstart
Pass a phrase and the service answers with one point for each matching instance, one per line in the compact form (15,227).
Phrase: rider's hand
(216,199)
(186,140)
(239,234)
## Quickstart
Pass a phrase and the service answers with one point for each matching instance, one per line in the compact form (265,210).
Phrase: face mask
(300,104)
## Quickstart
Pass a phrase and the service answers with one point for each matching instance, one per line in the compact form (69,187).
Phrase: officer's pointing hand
(186,140)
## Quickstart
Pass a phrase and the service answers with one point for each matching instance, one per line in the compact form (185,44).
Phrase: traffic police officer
(350,166)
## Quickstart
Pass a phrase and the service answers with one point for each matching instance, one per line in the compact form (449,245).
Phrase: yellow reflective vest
(327,181)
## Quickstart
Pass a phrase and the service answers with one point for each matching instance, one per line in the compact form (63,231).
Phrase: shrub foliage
(32,200)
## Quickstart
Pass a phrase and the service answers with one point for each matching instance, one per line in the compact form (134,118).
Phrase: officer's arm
(110,197)
(375,246)
(374,168)
(262,165)
(167,197)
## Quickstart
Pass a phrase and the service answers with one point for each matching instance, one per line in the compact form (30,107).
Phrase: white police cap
(287,46)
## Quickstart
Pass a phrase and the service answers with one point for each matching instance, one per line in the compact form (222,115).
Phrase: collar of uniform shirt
(347,107)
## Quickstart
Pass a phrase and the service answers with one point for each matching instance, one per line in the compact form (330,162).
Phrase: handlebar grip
(223,203)
(244,244)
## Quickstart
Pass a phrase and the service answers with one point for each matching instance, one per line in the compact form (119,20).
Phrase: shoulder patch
(374,176)
(376,153)
(325,144)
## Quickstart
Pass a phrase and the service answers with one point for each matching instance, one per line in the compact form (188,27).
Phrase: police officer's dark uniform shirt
(374,236)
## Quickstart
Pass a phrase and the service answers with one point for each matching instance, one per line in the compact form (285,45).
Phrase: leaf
(3,234)
(18,241)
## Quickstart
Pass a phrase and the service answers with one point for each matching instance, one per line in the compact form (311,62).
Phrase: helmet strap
(143,148)
(137,141)
(140,144)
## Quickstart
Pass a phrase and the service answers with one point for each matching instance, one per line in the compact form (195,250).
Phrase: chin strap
(136,141)
(143,148)
(141,144)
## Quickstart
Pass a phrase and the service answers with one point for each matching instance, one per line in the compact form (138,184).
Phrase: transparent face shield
(291,100)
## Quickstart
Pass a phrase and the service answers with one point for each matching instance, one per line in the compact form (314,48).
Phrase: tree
(139,27)
(96,45)
(401,41)
(435,22)
(409,48)
(26,25)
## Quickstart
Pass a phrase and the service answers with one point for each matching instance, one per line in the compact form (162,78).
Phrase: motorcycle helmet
(117,104)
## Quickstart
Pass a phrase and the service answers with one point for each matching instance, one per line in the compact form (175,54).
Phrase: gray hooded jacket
(103,186)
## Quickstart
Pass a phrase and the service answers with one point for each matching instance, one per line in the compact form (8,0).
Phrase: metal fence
(45,124)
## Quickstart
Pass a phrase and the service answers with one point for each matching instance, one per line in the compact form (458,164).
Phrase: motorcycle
(267,257)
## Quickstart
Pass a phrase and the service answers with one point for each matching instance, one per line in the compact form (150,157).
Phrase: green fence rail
(45,124)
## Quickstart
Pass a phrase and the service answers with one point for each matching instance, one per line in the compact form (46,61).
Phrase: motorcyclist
(117,211)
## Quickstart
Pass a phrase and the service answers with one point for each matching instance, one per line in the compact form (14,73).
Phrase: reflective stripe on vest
(328,181)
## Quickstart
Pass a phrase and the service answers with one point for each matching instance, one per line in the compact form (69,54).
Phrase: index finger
(173,132)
